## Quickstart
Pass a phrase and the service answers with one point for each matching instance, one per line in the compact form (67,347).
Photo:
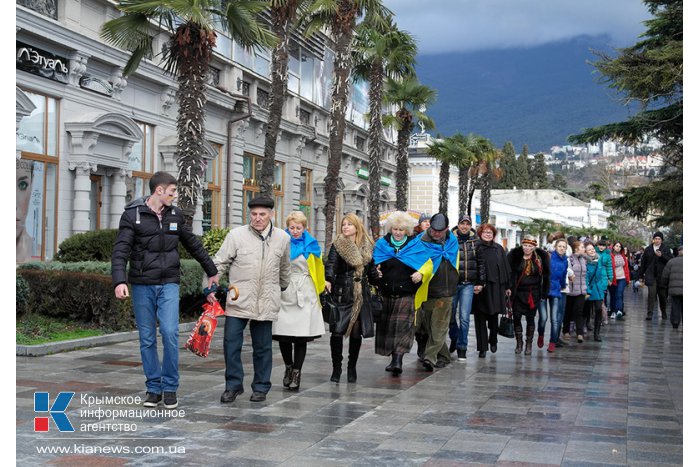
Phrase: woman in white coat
(300,320)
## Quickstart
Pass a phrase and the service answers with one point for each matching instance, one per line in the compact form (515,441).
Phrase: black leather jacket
(471,266)
(342,276)
(150,246)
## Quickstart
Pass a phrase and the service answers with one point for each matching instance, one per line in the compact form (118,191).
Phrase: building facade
(89,138)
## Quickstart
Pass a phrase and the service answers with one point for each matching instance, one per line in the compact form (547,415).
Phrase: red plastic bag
(200,338)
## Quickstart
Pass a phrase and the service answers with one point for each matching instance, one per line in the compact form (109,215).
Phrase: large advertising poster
(30,209)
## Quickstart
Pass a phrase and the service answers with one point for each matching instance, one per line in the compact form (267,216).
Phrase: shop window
(142,164)
(251,186)
(211,195)
(37,180)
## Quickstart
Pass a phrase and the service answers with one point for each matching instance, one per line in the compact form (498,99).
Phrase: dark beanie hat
(423,217)
(261,202)
(658,234)
(439,222)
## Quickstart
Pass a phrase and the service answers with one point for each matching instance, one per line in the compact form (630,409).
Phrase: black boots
(337,357)
(596,328)
(396,365)
(353,353)
(287,376)
(529,334)
(422,341)
(295,380)
(518,342)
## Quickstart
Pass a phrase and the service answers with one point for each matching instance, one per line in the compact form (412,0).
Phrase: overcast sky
(469,25)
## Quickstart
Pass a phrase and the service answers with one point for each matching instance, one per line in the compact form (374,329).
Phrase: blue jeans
(261,337)
(617,300)
(556,307)
(462,300)
(158,303)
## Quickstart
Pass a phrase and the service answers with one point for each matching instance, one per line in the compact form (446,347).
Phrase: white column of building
(117,197)
(81,198)
(198,214)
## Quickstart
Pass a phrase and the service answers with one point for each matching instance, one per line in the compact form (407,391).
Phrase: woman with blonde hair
(402,264)
(348,266)
(299,320)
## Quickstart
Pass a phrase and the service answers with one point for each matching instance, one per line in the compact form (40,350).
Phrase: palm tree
(188,54)
(411,98)
(443,152)
(284,15)
(486,155)
(379,53)
(465,158)
(340,16)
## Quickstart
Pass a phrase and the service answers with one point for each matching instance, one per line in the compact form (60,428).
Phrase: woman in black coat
(530,275)
(348,267)
(491,300)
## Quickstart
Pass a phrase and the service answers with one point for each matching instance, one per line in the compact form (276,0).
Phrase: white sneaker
(612,317)
(619,314)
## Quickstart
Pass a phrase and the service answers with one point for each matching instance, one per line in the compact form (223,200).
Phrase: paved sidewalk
(615,403)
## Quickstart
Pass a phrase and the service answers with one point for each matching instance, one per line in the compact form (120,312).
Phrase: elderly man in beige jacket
(257,258)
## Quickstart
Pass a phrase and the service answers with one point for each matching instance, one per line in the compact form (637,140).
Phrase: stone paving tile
(618,402)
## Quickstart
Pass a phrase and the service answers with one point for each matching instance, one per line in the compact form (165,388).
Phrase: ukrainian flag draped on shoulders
(443,251)
(413,255)
(308,246)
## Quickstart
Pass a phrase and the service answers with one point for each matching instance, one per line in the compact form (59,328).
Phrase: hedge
(94,246)
(77,296)
(22,294)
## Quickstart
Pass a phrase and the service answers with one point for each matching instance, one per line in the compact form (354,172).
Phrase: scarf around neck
(305,245)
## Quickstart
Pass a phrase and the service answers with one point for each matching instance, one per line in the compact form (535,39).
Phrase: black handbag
(376,305)
(506,328)
(336,315)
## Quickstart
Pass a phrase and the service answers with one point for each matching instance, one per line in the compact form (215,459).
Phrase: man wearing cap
(257,259)
(443,248)
(654,260)
(471,279)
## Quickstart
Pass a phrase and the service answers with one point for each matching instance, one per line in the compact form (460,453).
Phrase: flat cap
(439,222)
(261,202)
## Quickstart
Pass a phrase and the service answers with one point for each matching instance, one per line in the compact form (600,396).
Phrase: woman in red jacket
(621,277)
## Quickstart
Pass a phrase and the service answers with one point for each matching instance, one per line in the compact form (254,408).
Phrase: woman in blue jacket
(596,285)
(559,264)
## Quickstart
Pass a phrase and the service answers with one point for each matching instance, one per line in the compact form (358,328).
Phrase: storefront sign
(42,63)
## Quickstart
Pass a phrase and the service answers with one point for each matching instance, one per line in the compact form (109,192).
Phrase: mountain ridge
(536,96)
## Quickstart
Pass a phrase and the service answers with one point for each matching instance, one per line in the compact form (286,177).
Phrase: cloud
(469,25)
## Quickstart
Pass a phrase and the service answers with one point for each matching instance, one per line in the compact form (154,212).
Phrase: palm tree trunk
(339,103)
(486,181)
(472,187)
(463,190)
(403,137)
(192,68)
(278,92)
(375,139)
(443,186)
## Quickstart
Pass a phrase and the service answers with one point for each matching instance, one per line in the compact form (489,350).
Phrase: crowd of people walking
(421,280)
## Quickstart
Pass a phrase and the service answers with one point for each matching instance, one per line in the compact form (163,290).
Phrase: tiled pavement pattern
(615,403)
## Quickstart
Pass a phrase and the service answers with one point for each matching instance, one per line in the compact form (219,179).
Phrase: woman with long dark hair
(530,273)
(491,300)
(348,266)
(621,277)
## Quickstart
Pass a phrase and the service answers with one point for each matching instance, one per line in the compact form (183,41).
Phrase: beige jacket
(259,266)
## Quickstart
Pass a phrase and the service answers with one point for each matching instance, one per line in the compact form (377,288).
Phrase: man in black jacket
(149,232)
(471,279)
(654,259)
